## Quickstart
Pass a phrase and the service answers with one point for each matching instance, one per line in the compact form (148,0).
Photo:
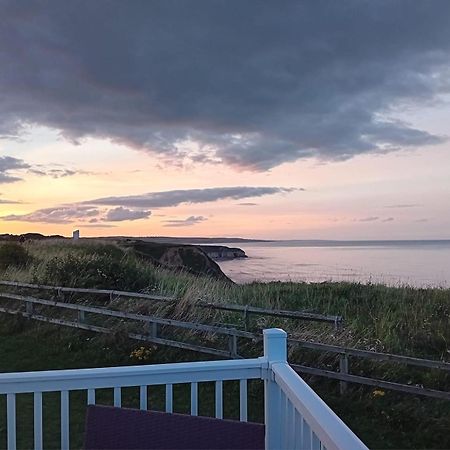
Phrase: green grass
(400,319)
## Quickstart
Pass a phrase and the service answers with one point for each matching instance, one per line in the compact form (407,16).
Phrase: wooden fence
(247,311)
(232,335)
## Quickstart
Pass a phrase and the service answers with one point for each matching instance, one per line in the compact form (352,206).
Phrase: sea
(394,263)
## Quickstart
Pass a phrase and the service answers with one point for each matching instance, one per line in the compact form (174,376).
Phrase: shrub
(13,254)
(96,271)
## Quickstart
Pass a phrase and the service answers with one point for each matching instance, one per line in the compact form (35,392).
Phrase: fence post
(275,350)
(81,316)
(233,345)
(246,318)
(343,368)
(29,308)
(152,329)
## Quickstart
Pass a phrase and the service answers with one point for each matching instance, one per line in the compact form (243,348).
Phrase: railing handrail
(103,377)
(329,428)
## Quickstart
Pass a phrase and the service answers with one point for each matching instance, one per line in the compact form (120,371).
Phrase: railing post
(275,350)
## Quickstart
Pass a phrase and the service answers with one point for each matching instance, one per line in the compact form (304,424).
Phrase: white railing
(295,417)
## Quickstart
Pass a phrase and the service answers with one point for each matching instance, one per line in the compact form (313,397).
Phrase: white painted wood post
(275,350)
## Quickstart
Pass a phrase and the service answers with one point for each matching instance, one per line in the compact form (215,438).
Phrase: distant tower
(76,235)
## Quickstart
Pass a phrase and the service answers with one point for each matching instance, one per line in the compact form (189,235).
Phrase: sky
(276,119)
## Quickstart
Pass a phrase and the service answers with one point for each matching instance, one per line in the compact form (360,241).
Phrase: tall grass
(397,319)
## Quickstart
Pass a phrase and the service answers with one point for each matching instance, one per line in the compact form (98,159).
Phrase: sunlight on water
(419,264)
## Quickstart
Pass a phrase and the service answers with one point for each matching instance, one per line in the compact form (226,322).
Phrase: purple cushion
(122,428)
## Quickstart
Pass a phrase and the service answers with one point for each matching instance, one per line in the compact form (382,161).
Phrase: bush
(12,254)
(96,271)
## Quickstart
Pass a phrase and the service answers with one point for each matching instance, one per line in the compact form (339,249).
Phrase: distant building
(76,235)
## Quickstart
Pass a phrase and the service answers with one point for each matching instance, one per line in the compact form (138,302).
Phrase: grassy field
(401,320)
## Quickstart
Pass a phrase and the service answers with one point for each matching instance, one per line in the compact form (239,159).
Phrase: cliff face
(222,252)
(182,257)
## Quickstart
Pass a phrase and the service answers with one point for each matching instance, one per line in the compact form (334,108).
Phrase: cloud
(404,205)
(120,214)
(228,83)
(88,215)
(421,220)
(369,219)
(58,214)
(375,218)
(57,173)
(173,198)
(9,164)
(98,225)
(189,221)
(10,167)
(4,201)
(135,207)
(247,204)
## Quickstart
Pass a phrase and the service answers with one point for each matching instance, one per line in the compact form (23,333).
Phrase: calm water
(416,263)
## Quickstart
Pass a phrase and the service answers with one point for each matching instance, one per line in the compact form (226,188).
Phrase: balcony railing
(295,417)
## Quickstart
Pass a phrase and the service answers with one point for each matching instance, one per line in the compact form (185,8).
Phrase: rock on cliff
(222,252)
(190,258)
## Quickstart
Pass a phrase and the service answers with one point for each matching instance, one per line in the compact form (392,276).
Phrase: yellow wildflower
(378,393)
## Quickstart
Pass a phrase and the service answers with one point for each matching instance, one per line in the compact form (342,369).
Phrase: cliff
(222,252)
(190,258)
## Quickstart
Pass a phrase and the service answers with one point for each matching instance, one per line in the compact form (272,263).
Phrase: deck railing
(295,417)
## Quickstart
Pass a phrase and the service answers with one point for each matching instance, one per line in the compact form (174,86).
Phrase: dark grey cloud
(253,84)
(9,166)
(58,214)
(13,169)
(247,204)
(120,214)
(176,197)
(388,219)
(188,222)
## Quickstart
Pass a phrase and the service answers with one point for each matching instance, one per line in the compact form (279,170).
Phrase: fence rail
(151,321)
(346,377)
(348,351)
(246,310)
(153,336)
(109,292)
